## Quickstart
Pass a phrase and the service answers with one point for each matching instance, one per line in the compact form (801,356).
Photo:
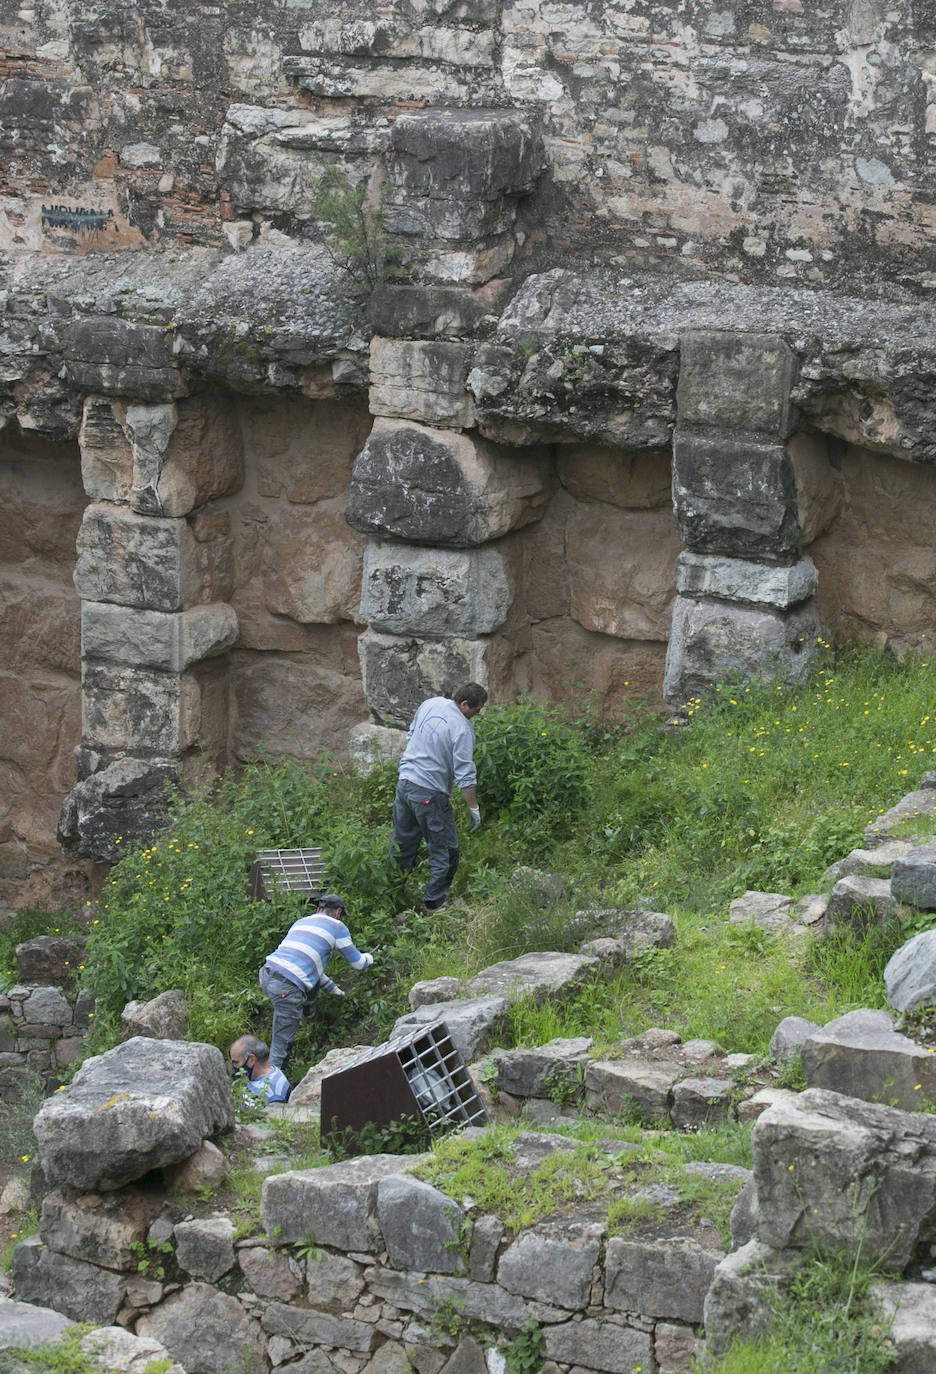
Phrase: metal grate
(286,870)
(419,1074)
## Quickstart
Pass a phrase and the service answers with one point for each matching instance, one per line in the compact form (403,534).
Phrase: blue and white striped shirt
(272,1085)
(308,945)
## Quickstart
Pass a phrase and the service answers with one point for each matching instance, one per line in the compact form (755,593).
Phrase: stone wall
(652,255)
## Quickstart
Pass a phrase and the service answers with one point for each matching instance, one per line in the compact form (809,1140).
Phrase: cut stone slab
(621,1085)
(768,910)
(24,1324)
(334,1206)
(738,1302)
(755,1106)
(167,641)
(910,1310)
(787,1040)
(538,976)
(736,381)
(862,1055)
(667,1278)
(84,1292)
(697,1101)
(439,487)
(910,975)
(734,497)
(398,673)
(101,1229)
(591,1344)
(136,560)
(470,1022)
(861,903)
(833,1173)
(863,861)
(553,1262)
(113,1348)
(127,799)
(913,877)
(533,1072)
(421,1226)
(742,579)
(921,803)
(143,1104)
(406,590)
(204,1247)
(422,380)
(205,1329)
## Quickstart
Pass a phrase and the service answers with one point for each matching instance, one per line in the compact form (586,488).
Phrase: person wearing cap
(439,751)
(292,975)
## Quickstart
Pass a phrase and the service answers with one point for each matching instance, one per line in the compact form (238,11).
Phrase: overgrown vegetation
(355,238)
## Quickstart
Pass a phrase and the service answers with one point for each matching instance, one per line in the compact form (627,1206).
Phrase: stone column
(152,574)
(434,496)
(744,606)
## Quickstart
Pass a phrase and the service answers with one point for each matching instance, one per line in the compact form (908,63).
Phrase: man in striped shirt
(294,972)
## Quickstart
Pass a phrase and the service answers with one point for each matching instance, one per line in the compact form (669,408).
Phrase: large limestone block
(204,1246)
(276,696)
(137,560)
(486,1302)
(553,1262)
(100,1228)
(836,1173)
(334,1206)
(741,579)
(470,1022)
(734,497)
(437,487)
(736,381)
(539,976)
(434,592)
(621,1085)
(400,673)
(420,380)
(23,1324)
(142,1105)
(114,357)
(206,1331)
(420,1225)
(909,1311)
(859,903)
(455,173)
(309,1327)
(913,877)
(660,1278)
(599,1345)
(712,641)
(79,1290)
(139,711)
(106,812)
(531,1072)
(303,450)
(862,1055)
(106,453)
(168,641)
(738,1304)
(40,629)
(369,746)
(618,477)
(113,1348)
(621,566)
(184,455)
(910,975)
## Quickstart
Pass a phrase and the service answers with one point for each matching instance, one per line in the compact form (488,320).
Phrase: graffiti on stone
(80,219)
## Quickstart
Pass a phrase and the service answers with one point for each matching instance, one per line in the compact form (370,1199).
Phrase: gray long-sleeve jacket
(439,747)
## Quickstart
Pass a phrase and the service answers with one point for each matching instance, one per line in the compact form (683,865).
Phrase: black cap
(332,899)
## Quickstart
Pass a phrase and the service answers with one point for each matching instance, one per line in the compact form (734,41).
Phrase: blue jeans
(290,1003)
(418,815)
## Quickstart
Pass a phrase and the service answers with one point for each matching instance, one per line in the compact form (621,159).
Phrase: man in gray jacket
(439,751)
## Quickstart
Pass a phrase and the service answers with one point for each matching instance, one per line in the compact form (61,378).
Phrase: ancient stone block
(306,1325)
(413,312)
(862,1055)
(139,711)
(204,1328)
(51,959)
(371,745)
(422,381)
(831,1173)
(540,976)
(553,1262)
(592,1344)
(204,1247)
(421,1227)
(787,1039)
(333,1282)
(860,903)
(113,357)
(136,560)
(620,568)
(101,1229)
(736,381)
(698,1101)
(141,1105)
(455,173)
(400,673)
(618,1085)
(335,1205)
(913,877)
(470,1022)
(486,1302)
(162,1017)
(184,456)
(310,567)
(106,455)
(909,1311)
(910,975)
(734,497)
(275,697)
(24,1323)
(712,641)
(166,640)
(530,1072)
(435,487)
(739,1301)
(109,810)
(47,1005)
(666,1278)
(434,592)
(741,579)
(79,1290)
(674,1348)
(112,1347)
(271,1273)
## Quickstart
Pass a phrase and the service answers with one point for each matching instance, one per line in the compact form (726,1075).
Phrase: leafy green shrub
(530,762)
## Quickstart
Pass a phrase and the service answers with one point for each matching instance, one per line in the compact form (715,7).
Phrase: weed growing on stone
(62,1356)
(525,1353)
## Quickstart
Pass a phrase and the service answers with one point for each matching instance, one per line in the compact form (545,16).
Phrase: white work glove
(369,958)
(337,992)
(475,813)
